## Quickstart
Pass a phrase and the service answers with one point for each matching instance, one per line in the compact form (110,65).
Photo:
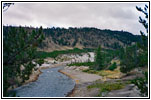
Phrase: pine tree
(99,62)
(143,46)
(129,60)
(19,49)
(142,83)
(138,57)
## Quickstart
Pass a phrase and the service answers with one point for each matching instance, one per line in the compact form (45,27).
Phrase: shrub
(82,64)
(142,83)
(113,66)
(40,61)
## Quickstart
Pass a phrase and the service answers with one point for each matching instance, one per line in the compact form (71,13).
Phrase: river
(50,83)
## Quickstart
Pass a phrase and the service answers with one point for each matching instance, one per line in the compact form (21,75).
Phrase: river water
(50,83)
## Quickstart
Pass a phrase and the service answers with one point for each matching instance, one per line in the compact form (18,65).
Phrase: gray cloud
(115,16)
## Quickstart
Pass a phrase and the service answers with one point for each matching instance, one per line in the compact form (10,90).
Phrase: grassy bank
(54,54)
(103,87)
(82,64)
(42,54)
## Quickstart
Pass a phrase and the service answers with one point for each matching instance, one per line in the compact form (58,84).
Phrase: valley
(92,59)
(86,82)
(92,62)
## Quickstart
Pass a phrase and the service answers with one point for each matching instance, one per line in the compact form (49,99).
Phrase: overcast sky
(114,16)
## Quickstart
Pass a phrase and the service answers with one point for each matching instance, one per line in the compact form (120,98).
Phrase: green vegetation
(137,55)
(99,61)
(90,71)
(142,83)
(54,54)
(107,86)
(19,46)
(40,61)
(129,60)
(89,37)
(133,57)
(82,64)
(113,66)
(107,54)
(20,49)
(105,73)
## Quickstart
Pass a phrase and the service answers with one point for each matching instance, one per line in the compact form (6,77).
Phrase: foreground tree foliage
(138,56)
(144,43)
(142,83)
(6,6)
(19,52)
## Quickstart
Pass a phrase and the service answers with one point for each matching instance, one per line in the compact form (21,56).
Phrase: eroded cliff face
(71,58)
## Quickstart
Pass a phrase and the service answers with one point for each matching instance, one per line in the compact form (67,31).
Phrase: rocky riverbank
(83,80)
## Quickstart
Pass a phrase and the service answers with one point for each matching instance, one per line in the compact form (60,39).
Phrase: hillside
(62,39)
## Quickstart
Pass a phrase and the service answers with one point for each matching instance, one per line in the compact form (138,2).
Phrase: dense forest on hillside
(89,37)
(84,37)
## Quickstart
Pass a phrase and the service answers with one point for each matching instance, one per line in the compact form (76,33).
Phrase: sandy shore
(82,80)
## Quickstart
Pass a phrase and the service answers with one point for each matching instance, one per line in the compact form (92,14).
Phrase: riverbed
(50,83)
